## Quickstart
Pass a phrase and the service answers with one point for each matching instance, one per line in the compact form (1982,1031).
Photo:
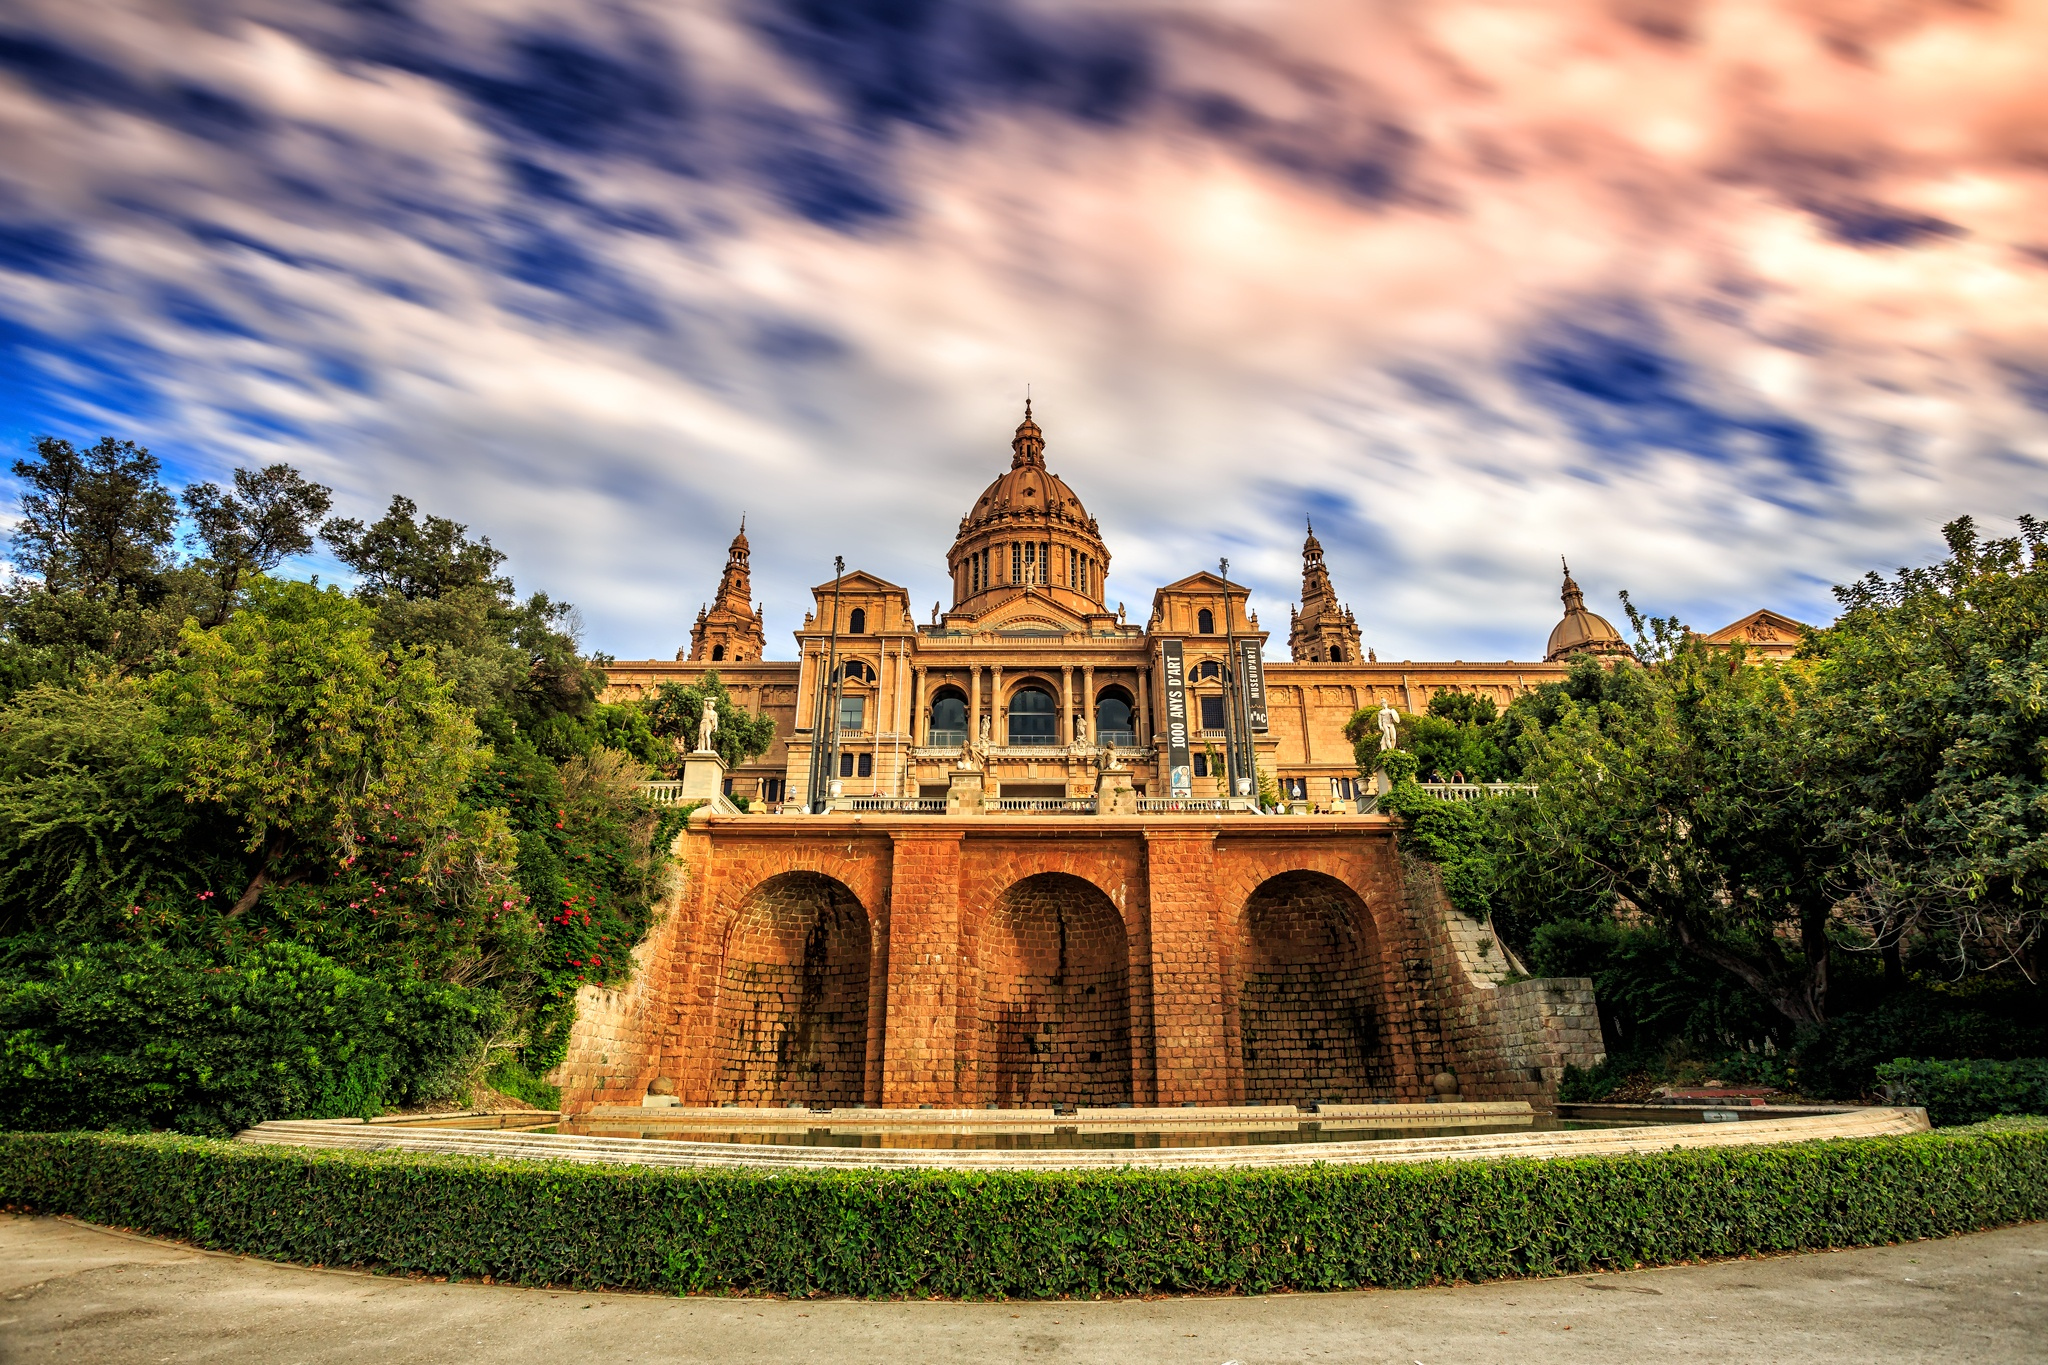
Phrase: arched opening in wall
(1336,654)
(857,624)
(793,996)
(717,653)
(1205,622)
(949,717)
(1034,718)
(1116,719)
(1309,1003)
(1053,1016)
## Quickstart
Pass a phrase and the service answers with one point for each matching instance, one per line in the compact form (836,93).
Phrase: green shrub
(141,1036)
(1967,1092)
(1840,1059)
(509,1076)
(1028,1234)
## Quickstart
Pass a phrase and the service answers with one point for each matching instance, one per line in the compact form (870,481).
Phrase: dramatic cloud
(1725,301)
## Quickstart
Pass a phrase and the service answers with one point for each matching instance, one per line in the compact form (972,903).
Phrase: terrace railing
(1046,805)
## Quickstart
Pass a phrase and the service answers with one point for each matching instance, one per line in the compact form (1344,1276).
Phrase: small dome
(1581,631)
(1028,488)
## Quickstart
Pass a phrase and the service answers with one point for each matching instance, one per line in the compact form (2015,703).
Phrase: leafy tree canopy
(675,709)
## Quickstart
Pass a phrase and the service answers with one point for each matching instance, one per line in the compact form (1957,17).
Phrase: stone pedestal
(1114,794)
(964,792)
(703,777)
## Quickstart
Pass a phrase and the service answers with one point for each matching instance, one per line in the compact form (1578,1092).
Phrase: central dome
(1029,487)
(1027,531)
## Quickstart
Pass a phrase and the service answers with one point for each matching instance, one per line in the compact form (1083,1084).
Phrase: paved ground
(73,1292)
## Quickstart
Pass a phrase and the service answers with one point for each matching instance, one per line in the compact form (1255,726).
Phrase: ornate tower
(1323,630)
(1581,631)
(1028,534)
(729,630)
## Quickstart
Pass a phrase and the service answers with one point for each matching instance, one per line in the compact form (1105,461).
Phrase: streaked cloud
(1724,301)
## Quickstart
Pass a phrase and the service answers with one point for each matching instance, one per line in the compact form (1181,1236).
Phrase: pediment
(1759,627)
(1030,611)
(859,581)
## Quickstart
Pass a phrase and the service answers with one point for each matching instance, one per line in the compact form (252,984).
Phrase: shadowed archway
(1309,1004)
(792,1018)
(1053,1020)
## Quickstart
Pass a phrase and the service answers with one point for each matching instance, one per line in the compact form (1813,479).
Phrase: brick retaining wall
(1155,960)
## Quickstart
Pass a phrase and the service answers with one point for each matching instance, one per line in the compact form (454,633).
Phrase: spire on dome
(1574,600)
(1028,445)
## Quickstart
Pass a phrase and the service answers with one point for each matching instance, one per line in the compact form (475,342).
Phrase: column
(1088,700)
(1144,691)
(1066,730)
(1188,1000)
(921,1040)
(920,727)
(998,723)
(974,702)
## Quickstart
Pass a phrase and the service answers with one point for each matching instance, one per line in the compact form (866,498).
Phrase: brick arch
(791,1021)
(1049,966)
(1311,996)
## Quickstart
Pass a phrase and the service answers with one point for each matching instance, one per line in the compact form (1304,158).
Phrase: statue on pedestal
(707,725)
(1390,727)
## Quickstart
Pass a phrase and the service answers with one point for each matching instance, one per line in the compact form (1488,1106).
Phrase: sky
(1725,302)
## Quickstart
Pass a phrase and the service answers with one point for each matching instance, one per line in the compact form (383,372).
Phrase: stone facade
(1020,961)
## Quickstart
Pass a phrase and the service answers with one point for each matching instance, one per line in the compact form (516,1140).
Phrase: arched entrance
(1053,1019)
(1308,1004)
(793,996)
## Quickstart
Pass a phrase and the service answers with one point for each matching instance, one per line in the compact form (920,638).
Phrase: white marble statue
(707,725)
(1390,727)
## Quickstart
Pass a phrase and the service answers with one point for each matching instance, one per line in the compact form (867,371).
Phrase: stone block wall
(899,961)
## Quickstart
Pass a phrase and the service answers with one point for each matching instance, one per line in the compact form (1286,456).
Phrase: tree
(97,522)
(416,561)
(1932,699)
(267,519)
(307,737)
(432,588)
(1705,806)
(675,709)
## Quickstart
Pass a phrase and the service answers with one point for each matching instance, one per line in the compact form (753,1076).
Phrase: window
(1016,561)
(1296,788)
(1113,721)
(1212,712)
(857,624)
(1073,568)
(717,653)
(771,789)
(1340,788)
(852,711)
(1205,622)
(1033,718)
(1201,765)
(728,786)
(949,720)
(866,766)
(854,670)
(1045,562)
(846,765)
(984,568)
(1336,654)
(1209,668)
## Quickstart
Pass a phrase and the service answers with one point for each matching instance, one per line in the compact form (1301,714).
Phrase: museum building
(1033,665)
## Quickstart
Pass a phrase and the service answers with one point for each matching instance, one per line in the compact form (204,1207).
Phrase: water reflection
(1060,1138)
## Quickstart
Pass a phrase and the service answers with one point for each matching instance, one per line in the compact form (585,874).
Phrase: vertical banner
(1179,767)
(1252,668)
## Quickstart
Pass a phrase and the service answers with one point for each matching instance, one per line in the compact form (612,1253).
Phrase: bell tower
(1322,630)
(729,629)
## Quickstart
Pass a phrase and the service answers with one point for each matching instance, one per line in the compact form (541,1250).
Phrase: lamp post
(824,755)
(1239,759)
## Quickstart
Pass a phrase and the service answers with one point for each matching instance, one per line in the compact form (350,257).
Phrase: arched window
(1209,668)
(853,670)
(1033,717)
(1114,721)
(949,719)
(1336,654)
(857,624)
(1205,622)
(717,653)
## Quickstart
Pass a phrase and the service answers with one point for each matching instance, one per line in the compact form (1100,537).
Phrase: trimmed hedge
(1028,1234)
(1968,1092)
